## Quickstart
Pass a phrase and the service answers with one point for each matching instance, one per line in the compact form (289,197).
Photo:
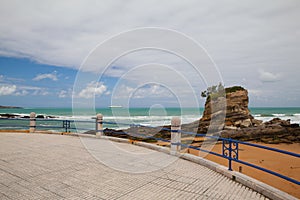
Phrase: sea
(121,118)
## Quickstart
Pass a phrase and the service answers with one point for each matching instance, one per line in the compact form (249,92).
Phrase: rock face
(274,131)
(236,112)
(239,124)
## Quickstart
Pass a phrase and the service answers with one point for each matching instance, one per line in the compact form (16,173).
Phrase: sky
(147,53)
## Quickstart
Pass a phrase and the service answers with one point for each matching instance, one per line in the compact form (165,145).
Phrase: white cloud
(40,93)
(59,33)
(63,94)
(7,89)
(51,76)
(22,90)
(9,80)
(241,37)
(152,91)
(92,89)
(265,76)
(22,93)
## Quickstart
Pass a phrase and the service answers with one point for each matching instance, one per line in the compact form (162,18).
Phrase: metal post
(175,135)
(99,125)
(230,155)
(66,125)
(32,123)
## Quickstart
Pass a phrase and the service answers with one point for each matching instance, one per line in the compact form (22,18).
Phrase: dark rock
(294,125)
(50,117)
(6,115)
(10,107)
(91,132)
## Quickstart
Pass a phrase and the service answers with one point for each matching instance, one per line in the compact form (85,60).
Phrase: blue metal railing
(230,147)
(230,151)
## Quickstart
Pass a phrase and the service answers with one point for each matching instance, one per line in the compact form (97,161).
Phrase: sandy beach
(283,164)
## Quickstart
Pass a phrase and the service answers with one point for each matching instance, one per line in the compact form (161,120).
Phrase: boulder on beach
(8,116)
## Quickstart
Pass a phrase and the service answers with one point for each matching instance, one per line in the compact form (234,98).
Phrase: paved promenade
(42,166)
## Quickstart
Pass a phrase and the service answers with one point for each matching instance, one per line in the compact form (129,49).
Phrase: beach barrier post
(32,123)
(175,135)
(99,125)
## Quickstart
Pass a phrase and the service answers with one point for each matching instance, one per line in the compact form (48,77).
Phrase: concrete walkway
(42,166)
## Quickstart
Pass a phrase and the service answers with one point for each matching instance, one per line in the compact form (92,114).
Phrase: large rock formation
(234,110)
(239,124)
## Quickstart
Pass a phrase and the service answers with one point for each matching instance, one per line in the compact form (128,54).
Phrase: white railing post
(32,123)
(99,125)
(175,135)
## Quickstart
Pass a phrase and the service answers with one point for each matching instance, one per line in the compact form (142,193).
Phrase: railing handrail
(268,148)
(161,128)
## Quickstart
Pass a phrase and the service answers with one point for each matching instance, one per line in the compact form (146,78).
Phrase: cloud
(91,90)
(265,76)
(22,93)
(22,90)
(41,93)
(52,76)
(62,34)
(151,91)
(7,80)
(7,89)
(240,37)
(32,90)
(63,94)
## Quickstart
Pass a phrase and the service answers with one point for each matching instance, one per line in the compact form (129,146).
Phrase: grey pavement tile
(42,166)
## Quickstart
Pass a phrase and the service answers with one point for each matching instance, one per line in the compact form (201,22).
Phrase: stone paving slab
(47,166)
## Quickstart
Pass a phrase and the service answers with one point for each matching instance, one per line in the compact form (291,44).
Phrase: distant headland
(10,107)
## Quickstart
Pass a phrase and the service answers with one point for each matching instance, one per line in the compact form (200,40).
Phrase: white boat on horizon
(115,106)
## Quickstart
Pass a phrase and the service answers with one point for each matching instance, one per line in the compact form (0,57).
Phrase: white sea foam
(278,115)
(293,119)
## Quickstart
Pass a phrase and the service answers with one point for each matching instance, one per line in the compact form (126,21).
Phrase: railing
(60,125)
(230,147)
(230,151)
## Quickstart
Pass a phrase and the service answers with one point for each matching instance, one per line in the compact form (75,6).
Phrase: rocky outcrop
(233,105)
(274,131)
(13,116)
(239,124)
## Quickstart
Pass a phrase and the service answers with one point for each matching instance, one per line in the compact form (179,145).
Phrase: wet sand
(283,164)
